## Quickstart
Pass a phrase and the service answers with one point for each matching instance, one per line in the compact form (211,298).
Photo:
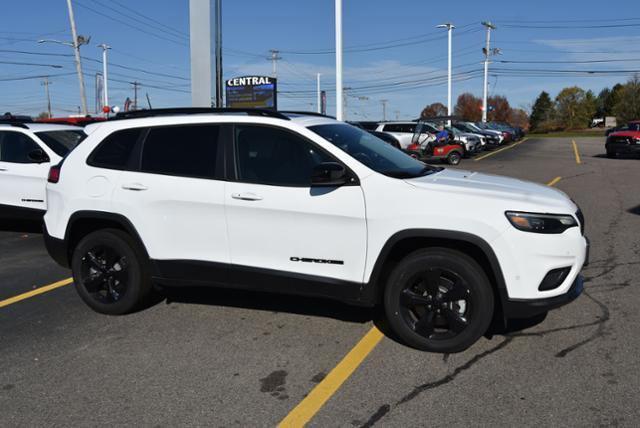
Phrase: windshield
(372,151)
(61,142)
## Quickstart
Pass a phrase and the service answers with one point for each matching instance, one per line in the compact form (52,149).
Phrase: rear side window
(185,151)
(15,147)
(61,142)
(400,127)
(115,150)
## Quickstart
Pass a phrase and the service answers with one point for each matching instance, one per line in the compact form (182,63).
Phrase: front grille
(581,220)
(620,140)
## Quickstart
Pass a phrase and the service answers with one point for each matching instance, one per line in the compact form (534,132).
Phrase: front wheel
(611,154)
(110,273)
(438,300)
(454,158)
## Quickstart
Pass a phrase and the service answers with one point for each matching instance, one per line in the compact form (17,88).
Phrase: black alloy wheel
(438,300)
(105,274)
(110,272)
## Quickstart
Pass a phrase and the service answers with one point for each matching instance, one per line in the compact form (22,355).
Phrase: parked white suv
(304,204)
(403,132)
(27,151)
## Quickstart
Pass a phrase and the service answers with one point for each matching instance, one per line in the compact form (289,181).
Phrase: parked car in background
(27,151)
(493,136)
(387,138)
(626,141)
(506,135)
(627,126)
(72,120)
(402,131)
(472,143)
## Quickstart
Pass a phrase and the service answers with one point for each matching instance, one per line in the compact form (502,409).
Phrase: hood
(496,187)
(632,134)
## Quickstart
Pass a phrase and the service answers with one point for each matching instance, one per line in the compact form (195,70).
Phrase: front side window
(61,142)
(16,146)
(115,150)
(268,155)
(185,151)
(372,151)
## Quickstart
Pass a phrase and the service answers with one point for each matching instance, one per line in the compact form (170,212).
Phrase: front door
(22,181)
(278,222)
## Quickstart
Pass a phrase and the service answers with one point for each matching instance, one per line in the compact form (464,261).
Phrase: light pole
(339,97)
(318,93)
(384,109)
(78,41)
(449,26)
(487,52)
(105,80)
(218,47)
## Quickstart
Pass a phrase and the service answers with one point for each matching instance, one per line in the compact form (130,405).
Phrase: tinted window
(400,127)
(274,156)
(15,147)
(188,151)
(61,142)
(115,150)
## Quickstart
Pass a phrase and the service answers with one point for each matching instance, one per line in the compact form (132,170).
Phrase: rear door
(278,222)
(175,195)
(22,180)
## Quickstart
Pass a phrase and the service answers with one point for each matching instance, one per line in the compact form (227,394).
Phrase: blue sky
(392,50)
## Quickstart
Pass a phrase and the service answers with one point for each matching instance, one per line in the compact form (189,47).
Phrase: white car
(403,132)
(27,151)
(304,204)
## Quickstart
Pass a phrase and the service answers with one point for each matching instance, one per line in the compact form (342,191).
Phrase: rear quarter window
(115,150)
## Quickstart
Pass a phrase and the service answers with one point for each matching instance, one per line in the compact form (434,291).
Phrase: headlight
(541,223)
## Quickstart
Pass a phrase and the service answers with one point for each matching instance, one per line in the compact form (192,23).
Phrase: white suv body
(249,224)
(403,132)
(27,151)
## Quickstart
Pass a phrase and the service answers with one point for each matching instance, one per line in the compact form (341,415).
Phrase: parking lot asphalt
(227,358)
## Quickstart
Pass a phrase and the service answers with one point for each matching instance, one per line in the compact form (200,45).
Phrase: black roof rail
(306,113)
(17,121)
(136,114)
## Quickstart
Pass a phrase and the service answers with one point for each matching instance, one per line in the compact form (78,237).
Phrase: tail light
(54,173)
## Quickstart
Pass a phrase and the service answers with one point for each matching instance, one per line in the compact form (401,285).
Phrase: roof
(40,127)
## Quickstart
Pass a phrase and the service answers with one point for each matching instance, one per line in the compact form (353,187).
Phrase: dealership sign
(252,92)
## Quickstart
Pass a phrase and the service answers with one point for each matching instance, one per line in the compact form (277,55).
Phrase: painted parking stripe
(37,291)
(495,152)
(575,151)
(319,395)
(554,181)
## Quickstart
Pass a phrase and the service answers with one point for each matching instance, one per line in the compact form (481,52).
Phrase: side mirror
(329,174)
(38,156)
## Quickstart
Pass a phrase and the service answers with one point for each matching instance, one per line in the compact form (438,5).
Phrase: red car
(624,141)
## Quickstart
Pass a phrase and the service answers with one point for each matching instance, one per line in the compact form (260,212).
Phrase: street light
(80,40)
(449,26)
(105,88)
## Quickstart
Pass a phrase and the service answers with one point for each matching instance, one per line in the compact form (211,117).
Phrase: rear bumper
(57,248)
(527,308)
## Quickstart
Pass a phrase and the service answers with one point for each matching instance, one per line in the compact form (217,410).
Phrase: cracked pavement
(227,358)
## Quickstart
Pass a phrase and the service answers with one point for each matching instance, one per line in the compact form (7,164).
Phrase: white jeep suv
(27,151)
(305,204)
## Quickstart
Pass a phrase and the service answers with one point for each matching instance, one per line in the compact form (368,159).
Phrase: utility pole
(449,26)
(487,52)
(46,84)
(105,89)
(76,50)
(384,109)
(218,47)
(136,85)
(318,93)
(338,23)
(200,52)
(345,102)
(274,58)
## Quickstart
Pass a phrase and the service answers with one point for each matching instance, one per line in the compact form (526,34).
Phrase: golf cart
(425,147)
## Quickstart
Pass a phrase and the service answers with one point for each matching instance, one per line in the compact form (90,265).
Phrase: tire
(454,158)
(423,314)
(611,154)
(110,272)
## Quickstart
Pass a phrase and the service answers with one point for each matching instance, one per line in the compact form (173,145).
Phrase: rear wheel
(438,300)
(454,158)
(110,272)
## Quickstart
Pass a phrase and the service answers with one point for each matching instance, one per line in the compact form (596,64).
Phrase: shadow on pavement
(635,210)
(20,226)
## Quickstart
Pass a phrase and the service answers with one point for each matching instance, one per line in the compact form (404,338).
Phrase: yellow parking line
(554,181)
(303,412)
(41,290)
(575,150)
(500,150)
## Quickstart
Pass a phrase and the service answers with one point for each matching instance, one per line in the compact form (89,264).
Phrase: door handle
(246,196)
(4,169)
(137,187)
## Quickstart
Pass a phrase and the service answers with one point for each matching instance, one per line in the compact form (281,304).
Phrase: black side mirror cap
(38,156)
(329,174)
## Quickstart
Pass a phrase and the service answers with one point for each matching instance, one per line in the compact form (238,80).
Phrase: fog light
(554,278)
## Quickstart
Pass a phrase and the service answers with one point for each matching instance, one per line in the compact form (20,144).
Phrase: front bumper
(623,148)
(527,308)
